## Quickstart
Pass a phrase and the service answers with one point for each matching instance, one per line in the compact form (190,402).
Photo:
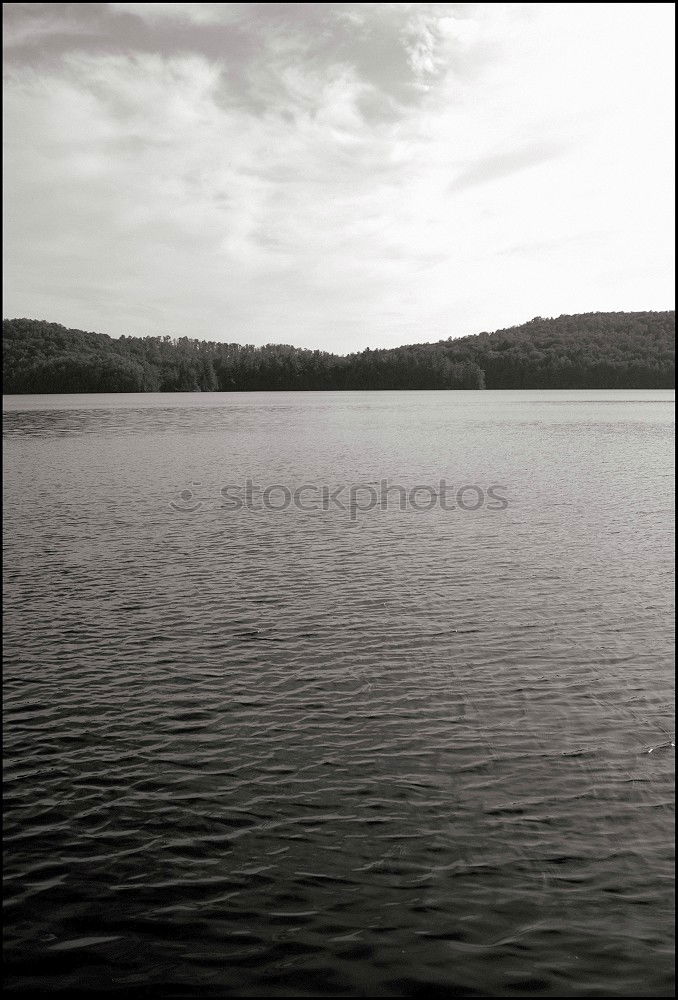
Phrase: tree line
(590,350)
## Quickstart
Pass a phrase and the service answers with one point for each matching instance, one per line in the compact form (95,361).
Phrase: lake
(343,694)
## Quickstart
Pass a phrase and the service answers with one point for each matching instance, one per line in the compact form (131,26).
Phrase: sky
(335,175)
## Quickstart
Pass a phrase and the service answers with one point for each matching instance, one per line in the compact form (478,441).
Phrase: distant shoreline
(242,392)
(588,351)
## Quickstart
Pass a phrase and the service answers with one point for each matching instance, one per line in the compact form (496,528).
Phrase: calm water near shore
(340,749)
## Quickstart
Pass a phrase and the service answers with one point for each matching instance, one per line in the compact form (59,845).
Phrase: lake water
(347,751)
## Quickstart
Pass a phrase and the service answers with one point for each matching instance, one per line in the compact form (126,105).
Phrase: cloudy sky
(335,175)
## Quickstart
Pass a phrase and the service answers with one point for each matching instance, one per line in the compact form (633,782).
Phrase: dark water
(342,752)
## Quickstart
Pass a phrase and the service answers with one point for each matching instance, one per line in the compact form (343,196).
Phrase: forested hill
(592,350)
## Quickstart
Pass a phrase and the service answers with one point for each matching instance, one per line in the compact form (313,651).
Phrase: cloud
(30,26)
(398,49)
(334,175)
(193,13)
(510,161)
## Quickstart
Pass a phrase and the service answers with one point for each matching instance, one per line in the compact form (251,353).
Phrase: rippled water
(339,752)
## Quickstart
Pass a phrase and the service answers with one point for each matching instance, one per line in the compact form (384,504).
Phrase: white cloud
(292,192)
(195,13)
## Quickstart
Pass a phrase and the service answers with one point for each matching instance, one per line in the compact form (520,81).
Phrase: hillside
(591,350)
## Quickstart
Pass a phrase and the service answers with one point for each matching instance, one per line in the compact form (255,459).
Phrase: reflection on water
(259,753)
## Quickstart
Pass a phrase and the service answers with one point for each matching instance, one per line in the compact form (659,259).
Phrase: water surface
(339,752)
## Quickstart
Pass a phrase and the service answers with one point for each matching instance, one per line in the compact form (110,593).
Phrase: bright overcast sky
(336,175)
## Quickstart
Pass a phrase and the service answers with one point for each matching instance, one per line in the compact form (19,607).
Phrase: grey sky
(335,175)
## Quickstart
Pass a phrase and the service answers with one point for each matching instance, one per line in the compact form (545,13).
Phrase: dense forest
(592,350)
